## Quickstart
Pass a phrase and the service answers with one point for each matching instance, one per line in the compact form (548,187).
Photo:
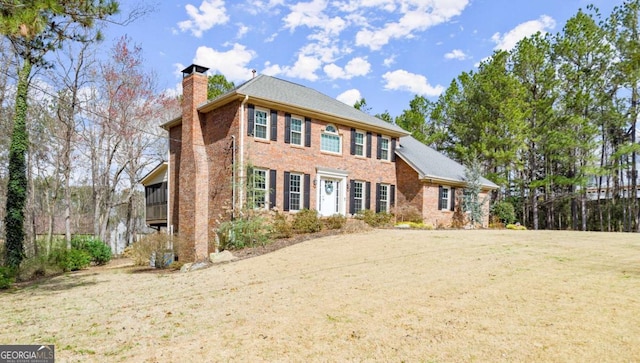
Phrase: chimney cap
(194,68)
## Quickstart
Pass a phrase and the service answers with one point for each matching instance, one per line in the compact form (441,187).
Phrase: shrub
(156,244)
(243,232)
(281,227)
(70,260)
(408,213)
(504,211)
(517,227)
(306,221)
(459,218)
(380,219)
(414,225)
(99,251)
(7,277)
(336,221)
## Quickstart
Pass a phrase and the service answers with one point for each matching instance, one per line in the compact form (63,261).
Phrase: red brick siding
(175,134)
(410,188)
(283,157)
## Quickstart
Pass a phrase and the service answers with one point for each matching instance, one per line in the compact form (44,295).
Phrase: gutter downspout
(241,166)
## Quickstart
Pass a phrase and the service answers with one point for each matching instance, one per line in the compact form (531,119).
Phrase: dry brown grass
(384,295)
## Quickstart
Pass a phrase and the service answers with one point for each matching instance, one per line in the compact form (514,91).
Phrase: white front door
(329,196)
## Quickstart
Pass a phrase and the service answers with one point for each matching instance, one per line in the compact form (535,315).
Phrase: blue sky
(386,51)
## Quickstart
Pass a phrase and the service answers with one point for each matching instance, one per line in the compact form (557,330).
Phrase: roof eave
(328,116)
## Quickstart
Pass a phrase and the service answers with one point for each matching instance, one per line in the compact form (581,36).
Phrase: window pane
(330,143)
(384,193)
(261,124)
(296,131)
(295,186)
(259,188)
(444,204)
(359,144)
(357,195)
(384,147)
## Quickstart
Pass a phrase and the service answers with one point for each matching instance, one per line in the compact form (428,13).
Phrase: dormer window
(330,140)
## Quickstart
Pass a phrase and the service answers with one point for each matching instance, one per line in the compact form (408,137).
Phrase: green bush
(7,277)
(99,251)
(517,227)
(306,221)
(243,232)
(70,260)
(335,221)
(281,227)
(380,219)
(504,211)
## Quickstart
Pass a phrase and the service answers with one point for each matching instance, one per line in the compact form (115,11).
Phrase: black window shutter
(287,185)
(392,195)
(377,197)
(272,188)
(368,144)
(250,119)
(307,132)
(287,128)
(453,198)
(367,195)
(440,197)
(353,141)
(307,190)
(352,200)
(393,149)
(274,125)
(379,148)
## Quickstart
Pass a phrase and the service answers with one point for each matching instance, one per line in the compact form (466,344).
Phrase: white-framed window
(384,198)
(261,124)
(296,130)
(260,188)
(360,141)
(330,140)
(384,148)
(295,192)
(444,198)
(358,195)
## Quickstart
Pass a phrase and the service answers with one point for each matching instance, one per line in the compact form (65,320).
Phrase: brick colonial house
(296,148)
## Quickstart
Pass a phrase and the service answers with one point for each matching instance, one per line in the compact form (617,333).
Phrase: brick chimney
(193,170)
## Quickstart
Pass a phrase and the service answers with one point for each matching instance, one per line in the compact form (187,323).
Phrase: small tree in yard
(471,198)
(35,28)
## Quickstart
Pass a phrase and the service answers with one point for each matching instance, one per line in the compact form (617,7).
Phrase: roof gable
(431,164)
(275,90)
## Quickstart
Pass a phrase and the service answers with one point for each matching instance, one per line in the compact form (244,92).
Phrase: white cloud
(258,6)
(304,68)
(232,63)
(456,54)
(389,61)
(405,81)
(509,40)
(356,67)
(208,14)
(312,15)
(242,31)
(417,15)
(350,97)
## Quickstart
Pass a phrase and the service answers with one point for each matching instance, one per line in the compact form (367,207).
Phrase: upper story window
(261,124)
(296,130)
(330,140)
(384,148)
(359,143)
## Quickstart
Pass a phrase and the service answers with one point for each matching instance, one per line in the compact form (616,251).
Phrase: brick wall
(193,173)
(279,156)
(410,188)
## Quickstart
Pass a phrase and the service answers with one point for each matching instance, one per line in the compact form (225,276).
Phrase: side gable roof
(156,174)
(272,90)
(430,164)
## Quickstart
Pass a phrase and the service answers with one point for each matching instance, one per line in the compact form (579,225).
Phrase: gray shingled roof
(431,164)
(293,94)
